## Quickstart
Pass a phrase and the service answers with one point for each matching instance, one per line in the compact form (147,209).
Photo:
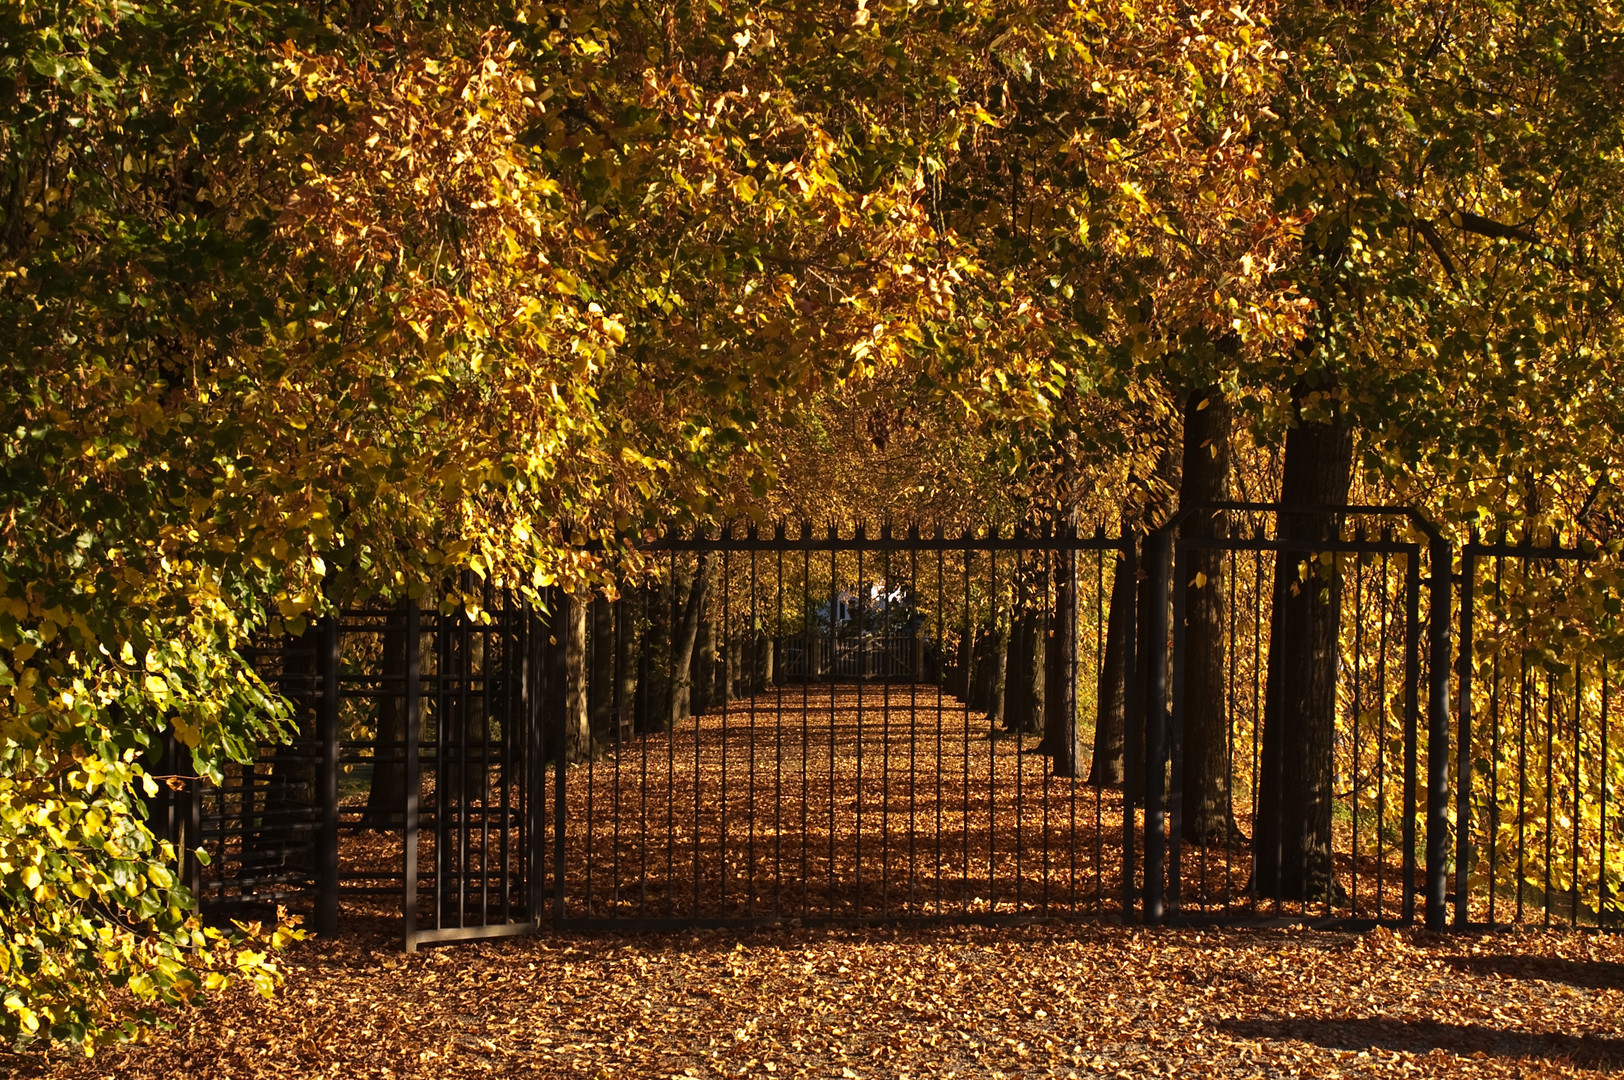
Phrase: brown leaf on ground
(1041,1000)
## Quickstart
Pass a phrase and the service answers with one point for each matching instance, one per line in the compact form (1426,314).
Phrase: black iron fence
(1268,717)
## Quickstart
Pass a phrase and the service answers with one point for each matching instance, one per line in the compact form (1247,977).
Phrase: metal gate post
(535,759)
(1463,749)
(326,915)
(1438,735)
(557,674)
(1174,734)
(1130,718)
(412,768)
(1159,545)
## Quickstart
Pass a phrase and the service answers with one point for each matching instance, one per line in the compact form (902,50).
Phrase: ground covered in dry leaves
(1083,1001)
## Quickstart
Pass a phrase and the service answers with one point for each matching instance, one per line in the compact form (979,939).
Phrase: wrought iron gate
(1271,792)
(808,740)
(844,727)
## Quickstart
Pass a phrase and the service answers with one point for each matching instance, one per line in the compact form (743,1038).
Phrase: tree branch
(1487,227)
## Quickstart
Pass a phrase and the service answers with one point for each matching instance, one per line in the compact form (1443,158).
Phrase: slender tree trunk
(386,797)
(577,718)
(732,662)
(601,687)
(762,658)
(1110,724)
(704,669)
(958,679)
(1023,693)
(1061,735)
(683,647)
(997,676)
(626,663)
(1208,818)
(1292,831)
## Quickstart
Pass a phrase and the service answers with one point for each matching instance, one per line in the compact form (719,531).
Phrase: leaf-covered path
(1027,1001)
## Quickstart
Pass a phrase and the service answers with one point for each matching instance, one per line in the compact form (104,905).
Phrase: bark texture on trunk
(1024,685)
(1110,723)
(626,662)
(692,599)
(577,718)
(1292,831)
(1061,735)
(1204,479)
(997,673)
(703,671)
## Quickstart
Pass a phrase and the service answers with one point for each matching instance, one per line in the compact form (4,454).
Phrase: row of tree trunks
(1114,753)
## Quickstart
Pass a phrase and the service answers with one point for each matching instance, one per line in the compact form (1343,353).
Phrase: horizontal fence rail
(1255,712)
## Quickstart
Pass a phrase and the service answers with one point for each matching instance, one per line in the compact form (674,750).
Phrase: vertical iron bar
(326,920)
(558,701)
(534,792)
(1412,690)
(413,809)
(1131,718)
(1160,543)
(1175,743)
(1438,736)
(1464,776)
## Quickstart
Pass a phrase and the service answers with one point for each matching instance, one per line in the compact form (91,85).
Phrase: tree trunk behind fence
(1292,830)
(1061,735)
(693,603)
(1205,478)
(761,666)
(577,718)
(601,688)
(997,675)
(733,665)
(1033,669)
(626,620)
(704,669)
(1110,724)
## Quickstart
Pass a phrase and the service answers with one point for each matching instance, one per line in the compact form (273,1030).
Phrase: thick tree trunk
(704,669)
(693,600)
(957,680)
(1292,831)
(997,675)
(1061,736)
(386,797)
(1208,818)
(1024,686)
(1110,723)
(761,662)
(601,686)
(577,718)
